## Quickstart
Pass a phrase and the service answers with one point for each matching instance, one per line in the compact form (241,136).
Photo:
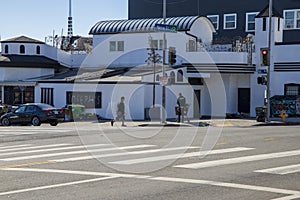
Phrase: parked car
(34,113)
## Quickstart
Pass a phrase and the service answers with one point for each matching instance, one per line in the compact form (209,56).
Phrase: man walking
(120,112)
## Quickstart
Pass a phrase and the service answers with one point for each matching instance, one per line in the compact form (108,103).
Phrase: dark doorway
(244,100)
(197,103)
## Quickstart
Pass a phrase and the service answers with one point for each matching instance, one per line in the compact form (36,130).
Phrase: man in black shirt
(181,102)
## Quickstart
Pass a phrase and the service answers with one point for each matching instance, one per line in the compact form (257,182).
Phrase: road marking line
(166,179)
(288,197)
(55,186)
(269,139)
(32,147)
(52,149)
(239,160)
(74,152)
(281,170)
(27,164)
(121,154)
(177,156)
(22,145)
(221,143)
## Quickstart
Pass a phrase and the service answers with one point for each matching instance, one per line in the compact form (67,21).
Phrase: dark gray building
(233,19)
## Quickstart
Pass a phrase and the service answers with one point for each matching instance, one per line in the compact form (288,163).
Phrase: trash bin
(261,114)
(76,112)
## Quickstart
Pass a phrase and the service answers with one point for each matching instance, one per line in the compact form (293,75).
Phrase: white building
(215,79)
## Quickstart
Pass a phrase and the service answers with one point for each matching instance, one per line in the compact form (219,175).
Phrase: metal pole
(163,114)
(270,60)
(154,76)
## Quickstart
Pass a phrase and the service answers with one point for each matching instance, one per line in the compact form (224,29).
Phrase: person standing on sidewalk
(120,112)
(181,102)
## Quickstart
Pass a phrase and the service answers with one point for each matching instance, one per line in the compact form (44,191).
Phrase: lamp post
(270,58)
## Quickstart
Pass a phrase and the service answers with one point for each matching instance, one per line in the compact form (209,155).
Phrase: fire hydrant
(283,115)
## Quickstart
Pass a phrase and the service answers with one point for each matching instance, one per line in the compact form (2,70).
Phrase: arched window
(6,49)
(172,77)
(22,49)
(38,50)
(180,76)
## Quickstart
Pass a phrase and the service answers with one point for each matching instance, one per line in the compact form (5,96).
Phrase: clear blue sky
(38,18)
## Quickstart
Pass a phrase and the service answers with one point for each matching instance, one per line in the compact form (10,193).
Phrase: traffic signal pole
(270,62)
(163,114)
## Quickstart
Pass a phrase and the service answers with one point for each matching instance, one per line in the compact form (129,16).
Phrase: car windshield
(20,109)
(45,106)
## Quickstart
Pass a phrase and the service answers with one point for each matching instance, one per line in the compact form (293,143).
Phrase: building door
(244,100)
(197,103)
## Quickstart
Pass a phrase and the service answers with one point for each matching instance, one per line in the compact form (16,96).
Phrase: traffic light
(265,57)
(262,80)
(172,55)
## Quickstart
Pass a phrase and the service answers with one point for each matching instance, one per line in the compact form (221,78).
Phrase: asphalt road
(93,161)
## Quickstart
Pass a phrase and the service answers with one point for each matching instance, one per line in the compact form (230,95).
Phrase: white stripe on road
(288,197)
(166,179)
(33,147)
(122,154)
(74,152)
(282,170)
(239,160)
(177,156)
(55,186)
(52,149)
(21,145)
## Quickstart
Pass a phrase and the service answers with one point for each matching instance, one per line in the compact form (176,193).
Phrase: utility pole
(270,59)
(163,114)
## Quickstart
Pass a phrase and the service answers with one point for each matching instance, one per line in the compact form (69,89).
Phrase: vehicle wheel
(35,121)
(5,122)
(53,123)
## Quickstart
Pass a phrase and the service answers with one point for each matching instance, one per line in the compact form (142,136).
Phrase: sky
(39,18)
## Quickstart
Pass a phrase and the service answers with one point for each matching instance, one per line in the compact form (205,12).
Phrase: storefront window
(16,95)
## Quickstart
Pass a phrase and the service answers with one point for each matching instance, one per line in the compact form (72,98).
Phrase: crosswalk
(142,154)
(27,130)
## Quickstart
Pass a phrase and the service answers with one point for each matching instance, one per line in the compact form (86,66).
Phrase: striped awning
(141,25)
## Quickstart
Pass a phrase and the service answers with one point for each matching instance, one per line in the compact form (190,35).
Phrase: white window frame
(118,46)
(247,21)
(235,21)
(218,21)
(157,44)
(295,11)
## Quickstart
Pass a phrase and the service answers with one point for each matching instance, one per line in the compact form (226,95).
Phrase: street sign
(163,80)
(166,28)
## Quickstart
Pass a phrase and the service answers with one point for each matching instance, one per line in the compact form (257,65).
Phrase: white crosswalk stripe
(237,160)
(290,169)
(7,131)
(73,152)
(47,150)
(8,147)
(177,156)
(123,154)
(26,147)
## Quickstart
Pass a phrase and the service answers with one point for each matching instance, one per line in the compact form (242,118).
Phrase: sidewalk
(209,122)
